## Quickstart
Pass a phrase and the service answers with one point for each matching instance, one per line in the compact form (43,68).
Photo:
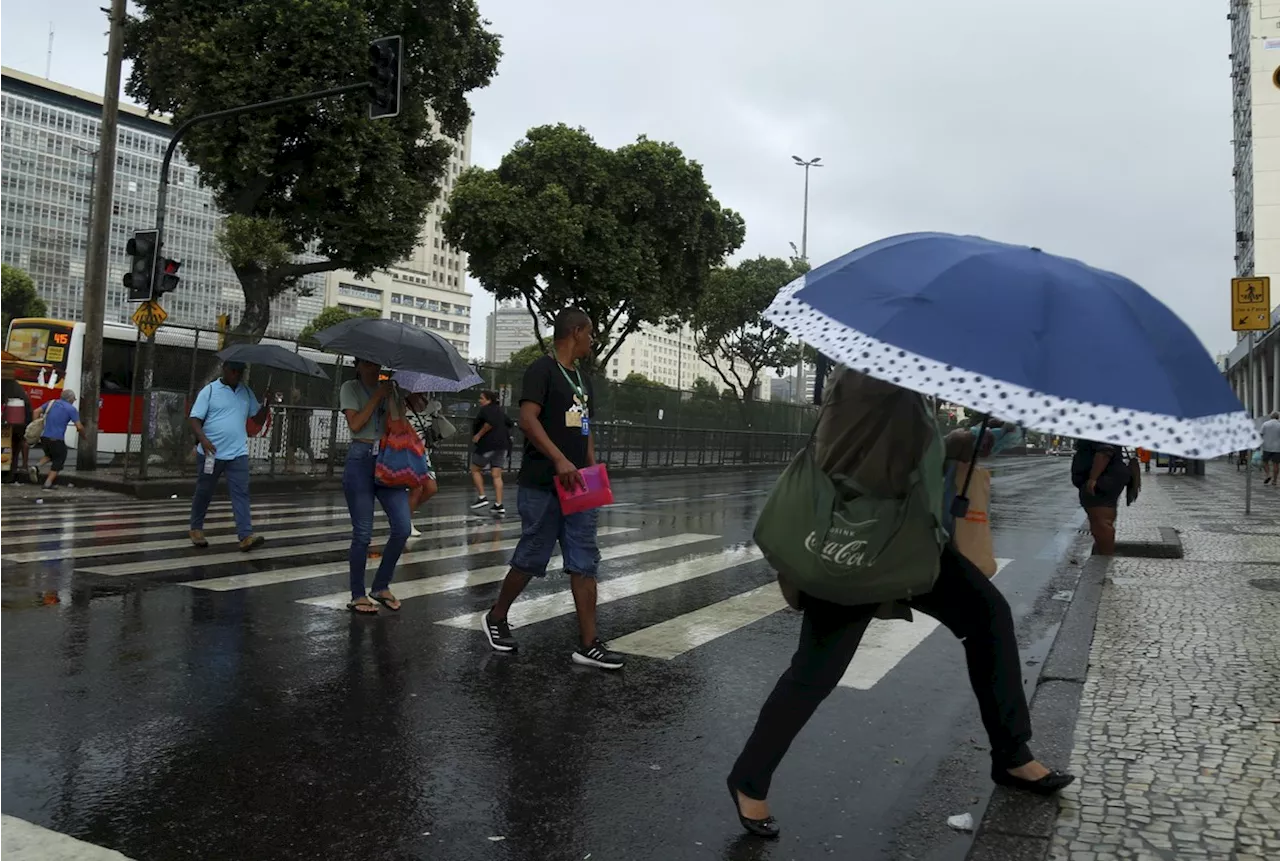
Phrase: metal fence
(636,426)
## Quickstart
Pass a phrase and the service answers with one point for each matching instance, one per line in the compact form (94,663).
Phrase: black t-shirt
(562,417)
(498,438)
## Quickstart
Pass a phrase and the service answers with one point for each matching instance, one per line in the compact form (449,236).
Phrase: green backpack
(830,539)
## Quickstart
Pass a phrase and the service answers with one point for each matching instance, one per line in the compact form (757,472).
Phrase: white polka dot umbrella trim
(1200,437)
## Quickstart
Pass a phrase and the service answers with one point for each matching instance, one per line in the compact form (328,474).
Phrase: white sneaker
(413,531)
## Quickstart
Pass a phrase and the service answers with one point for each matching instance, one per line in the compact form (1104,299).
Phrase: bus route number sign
(149,317)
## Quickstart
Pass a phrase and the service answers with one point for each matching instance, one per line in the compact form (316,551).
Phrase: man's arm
(484,430)
(566,472)
(1100,461)
(261,415)
(197,425)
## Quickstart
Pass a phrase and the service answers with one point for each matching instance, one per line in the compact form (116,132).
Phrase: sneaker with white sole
(498,633)
(414,532)
(498,510)
(481,502)
(598,655)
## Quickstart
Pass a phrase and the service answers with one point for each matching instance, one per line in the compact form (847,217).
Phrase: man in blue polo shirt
(218,417)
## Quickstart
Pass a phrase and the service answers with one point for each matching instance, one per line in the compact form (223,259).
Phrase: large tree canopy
(628,235)
(730,331)
(319,177)
(20,298)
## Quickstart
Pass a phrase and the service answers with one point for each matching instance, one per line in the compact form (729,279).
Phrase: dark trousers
(965,601)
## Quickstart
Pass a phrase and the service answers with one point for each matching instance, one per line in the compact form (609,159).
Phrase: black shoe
(498,633)
(498,510)
(766,828)
(598,655)
(480,502)
(1050,784)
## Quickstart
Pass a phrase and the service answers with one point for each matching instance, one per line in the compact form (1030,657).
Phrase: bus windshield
(42,342)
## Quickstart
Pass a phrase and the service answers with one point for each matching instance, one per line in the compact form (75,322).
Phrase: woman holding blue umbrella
(1006,331)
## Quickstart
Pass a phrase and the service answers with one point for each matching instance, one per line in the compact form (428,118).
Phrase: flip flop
(386,601)
(357,605)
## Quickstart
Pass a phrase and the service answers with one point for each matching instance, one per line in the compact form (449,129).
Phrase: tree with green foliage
(18,295)
(628,235)
(318,186)
(330,315)
(522,358)
(704,391)
(730,331)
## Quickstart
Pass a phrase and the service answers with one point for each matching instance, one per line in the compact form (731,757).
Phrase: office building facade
(47,162)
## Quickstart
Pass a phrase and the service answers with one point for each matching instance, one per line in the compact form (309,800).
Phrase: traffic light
(385,57)
(142,253)
(168,276)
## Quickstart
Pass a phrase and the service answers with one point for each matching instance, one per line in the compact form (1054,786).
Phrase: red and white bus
(50,355)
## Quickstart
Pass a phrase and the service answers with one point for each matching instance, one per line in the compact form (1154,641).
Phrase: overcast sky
(1095,129)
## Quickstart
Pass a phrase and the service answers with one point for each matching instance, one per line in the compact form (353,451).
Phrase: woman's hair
(489,395)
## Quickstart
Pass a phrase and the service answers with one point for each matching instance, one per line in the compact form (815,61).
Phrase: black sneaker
(498,634)
(598,655)
(498,510)
(480,502)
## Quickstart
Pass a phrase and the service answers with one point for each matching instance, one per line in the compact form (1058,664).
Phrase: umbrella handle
(960,505)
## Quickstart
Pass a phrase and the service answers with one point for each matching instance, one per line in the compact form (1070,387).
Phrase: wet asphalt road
(147,714)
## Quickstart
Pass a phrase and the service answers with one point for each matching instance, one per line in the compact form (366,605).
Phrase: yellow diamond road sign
(149,317)
(1251,304)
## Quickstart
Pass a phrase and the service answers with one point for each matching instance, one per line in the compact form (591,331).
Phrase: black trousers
(965,601)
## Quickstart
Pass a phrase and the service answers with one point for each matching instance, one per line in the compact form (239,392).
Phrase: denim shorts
(543,524)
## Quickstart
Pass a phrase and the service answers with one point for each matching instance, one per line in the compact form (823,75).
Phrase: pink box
(593,493)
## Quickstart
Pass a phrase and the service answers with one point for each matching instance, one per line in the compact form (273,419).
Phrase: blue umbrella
(414,381)
(1025,336)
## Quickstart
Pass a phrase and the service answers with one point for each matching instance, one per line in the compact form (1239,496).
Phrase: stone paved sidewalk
(1177,743)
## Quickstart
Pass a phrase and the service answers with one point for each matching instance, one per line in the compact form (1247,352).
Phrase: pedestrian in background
(1271,449)
(220,418)
(19,448)
(363,402)
(423,411)
(491,436)
(555,405)
(1101,474)
(53,441)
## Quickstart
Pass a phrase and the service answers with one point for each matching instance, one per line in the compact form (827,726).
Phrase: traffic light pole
(162,203)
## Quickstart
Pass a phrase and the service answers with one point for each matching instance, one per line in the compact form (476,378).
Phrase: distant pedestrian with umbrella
(219,417)
(1009,332)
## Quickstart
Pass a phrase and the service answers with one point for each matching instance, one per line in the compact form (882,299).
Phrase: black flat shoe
(1050,784)
(766,828)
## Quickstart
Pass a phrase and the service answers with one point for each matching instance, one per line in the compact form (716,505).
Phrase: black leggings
(965,601)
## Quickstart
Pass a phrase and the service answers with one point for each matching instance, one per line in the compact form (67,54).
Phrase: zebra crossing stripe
(211,524)
(533,610)
(20,839)
(676,636)
(48,520)
(308,572)
(886,642)
(405,589)
(99,550)
(117,508)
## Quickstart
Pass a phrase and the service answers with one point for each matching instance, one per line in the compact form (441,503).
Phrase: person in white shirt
(1271,449)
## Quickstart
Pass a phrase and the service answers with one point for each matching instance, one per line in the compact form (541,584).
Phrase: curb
(1018,826)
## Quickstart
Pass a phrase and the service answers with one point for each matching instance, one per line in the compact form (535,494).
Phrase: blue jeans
(543,524)
(360,489)
(237,473)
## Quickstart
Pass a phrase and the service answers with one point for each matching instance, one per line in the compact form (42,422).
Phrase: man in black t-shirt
(492,439)
(555,415)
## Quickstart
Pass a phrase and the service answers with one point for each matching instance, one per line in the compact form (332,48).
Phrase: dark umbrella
(393,344)
(272,356)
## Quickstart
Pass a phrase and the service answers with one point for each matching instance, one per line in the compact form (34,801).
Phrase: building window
(355,291)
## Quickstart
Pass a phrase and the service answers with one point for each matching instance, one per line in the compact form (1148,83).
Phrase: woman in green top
(363,403)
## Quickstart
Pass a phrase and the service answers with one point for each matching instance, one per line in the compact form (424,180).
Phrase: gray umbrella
(393,344)
(272,356)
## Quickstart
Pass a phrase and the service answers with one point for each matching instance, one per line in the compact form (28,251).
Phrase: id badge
(586,426)
(574,419)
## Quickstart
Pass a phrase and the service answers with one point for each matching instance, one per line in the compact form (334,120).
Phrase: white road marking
(533,610)
(70,532)
(673,499)
(405,589)
(309,572)
(25,841)
(676,636)
(98,550)
(887,642)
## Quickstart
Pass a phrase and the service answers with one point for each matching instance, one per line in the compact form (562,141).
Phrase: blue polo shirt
(57,417)
(224,411)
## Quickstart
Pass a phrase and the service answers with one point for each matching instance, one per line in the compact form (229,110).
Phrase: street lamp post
(804,255)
